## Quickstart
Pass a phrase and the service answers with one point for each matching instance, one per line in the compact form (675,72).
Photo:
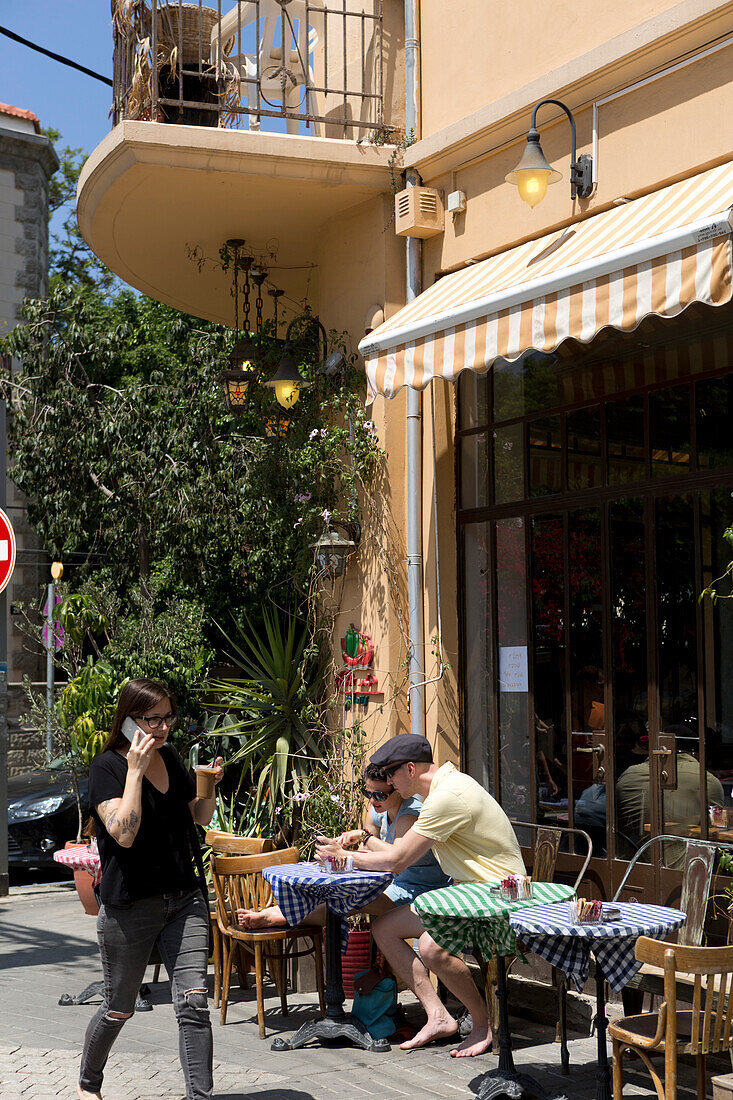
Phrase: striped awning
(654,255)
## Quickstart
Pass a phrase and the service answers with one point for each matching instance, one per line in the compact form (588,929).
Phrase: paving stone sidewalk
(48,947)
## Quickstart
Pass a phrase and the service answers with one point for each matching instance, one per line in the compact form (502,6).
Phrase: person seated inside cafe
(473,841)
(681,806)
(388,817)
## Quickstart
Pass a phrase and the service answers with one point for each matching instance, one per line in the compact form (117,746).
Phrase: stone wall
(27,162)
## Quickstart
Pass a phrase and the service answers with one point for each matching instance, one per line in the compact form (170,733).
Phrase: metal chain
(236,290)
(258,277)
(246,264)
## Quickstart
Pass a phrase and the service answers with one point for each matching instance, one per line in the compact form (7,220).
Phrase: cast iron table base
(329,1027)
(96,989)
(506,1081)
(335,1024)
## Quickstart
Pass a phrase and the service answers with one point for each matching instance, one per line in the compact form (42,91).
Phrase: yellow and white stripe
(657,254)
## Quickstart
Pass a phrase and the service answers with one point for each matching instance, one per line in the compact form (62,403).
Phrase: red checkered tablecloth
(81,857)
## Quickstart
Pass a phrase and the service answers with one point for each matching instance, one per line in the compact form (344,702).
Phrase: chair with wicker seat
(231,844)
(238,884)
(702,1030)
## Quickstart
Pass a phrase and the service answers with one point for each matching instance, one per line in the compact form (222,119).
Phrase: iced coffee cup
(205,781)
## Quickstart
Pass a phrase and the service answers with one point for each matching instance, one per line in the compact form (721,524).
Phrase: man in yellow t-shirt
(473,841)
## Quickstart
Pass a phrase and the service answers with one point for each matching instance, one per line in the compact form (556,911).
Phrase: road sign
(7,550)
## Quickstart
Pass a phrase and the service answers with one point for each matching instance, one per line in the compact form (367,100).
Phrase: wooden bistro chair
(232,844)
(238,884)
(702,1030)
(697,875)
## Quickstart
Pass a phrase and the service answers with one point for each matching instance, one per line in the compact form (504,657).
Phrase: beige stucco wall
(639,151)
(494,46)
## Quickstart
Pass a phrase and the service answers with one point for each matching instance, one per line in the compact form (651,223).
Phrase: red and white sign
(7,550)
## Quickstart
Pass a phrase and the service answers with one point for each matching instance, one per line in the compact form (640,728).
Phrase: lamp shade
(287,380)
(243,355)
(332,551)
(533,174)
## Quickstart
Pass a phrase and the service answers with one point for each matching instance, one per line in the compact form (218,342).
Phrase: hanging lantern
(276,423)
(241,373)
(332,552)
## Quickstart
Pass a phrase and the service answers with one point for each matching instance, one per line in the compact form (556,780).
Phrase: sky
(65,100)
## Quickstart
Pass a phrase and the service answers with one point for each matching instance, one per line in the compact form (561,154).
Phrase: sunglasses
(389,772)
(377,796)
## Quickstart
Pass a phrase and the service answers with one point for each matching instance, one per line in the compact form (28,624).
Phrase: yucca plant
(274,711)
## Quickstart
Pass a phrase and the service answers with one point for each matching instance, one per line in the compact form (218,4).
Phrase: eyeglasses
(377,796)
(155,721)
(389,772)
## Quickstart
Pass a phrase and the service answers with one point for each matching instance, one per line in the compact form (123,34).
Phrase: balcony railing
(304,66)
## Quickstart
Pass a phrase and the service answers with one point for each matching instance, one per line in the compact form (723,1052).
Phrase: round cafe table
(474,916)
(85,857)
(298,889)
(549,932)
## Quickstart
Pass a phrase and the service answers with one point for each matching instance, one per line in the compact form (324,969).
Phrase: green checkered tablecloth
(468,915)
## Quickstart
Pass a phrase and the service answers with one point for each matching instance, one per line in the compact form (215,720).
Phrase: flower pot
(357,957)
(198,87)
(84,883)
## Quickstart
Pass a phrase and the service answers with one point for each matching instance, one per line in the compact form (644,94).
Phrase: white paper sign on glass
(513,668)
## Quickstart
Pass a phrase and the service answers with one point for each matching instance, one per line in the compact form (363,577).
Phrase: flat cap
(403,747)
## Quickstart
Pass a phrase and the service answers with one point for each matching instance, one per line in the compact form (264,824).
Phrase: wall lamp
(533,173)
(288,380)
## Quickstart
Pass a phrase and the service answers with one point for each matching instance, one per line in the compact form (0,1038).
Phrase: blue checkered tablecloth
(547,930)
(300,887)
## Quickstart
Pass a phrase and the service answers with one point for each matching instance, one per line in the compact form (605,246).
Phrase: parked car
(42,815)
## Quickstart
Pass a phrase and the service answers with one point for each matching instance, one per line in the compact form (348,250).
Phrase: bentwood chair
(239,884)
(232,844)
(702,1030)
(697,874)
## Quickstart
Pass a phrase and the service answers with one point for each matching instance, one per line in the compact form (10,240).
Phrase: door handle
(663,774)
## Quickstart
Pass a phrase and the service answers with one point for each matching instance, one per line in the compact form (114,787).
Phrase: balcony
(260,122)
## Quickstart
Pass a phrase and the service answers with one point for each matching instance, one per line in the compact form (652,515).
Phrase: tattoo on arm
(120,826)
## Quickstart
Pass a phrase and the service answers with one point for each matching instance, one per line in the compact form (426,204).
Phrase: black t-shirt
(159,860)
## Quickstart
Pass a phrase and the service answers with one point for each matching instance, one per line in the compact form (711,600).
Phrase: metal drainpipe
(414,412)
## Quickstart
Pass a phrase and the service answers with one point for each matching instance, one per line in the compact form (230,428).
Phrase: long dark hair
(136,698)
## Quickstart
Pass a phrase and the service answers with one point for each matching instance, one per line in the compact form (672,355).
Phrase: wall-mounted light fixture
(533,173)
(332,551)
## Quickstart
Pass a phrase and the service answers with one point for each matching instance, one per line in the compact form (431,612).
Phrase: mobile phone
(130,728)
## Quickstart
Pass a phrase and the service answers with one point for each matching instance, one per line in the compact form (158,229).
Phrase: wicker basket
(186,26)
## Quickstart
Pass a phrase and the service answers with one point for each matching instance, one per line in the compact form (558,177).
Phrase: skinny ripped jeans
(179,924)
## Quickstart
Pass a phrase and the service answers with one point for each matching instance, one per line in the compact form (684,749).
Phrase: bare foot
(477,1042)
(84,1095)
(252,920)
(439,1028)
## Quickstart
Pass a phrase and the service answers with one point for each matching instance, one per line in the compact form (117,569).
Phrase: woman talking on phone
(144,804)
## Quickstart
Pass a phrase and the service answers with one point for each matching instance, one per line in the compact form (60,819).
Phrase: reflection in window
(629,663)
(527,385)
(585,466)
(714,414)
(548,627)
(478,661)
(625,440)
(473,400)
(545,456)
(587,700)
(511,612)
(508,464)
(717,517)
(677,648)
(474,470)
(669,431)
